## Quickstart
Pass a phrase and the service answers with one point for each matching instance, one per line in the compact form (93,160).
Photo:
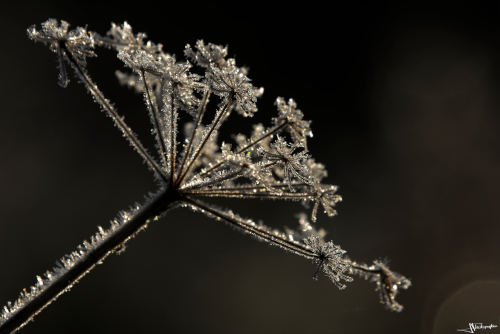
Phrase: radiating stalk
(158,205)
(215,124)
(271,132)
(156,120)
(113,114)
(199,116)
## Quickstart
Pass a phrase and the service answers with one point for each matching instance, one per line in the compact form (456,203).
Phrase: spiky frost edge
(240,95)
(69,261)
(259,231)
(328,256)
(388,283)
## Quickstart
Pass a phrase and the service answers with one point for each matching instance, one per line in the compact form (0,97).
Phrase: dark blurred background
(405,103)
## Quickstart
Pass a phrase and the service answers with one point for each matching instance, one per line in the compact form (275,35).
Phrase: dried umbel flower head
(272,163)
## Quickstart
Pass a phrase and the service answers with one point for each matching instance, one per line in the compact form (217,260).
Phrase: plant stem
(156,120)
(215,123)
(199,116)
(253,143)
(119,122)
(262,234)
(155,207)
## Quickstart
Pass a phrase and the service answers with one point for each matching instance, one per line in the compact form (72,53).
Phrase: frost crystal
(325,195)
(140,60)
(77,43)
(287,163)
(330,260)
(230,83)
(388,283)
(273,163)
(205,55)
(299,129)
(67,263)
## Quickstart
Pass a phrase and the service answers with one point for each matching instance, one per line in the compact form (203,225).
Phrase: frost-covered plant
(272,163)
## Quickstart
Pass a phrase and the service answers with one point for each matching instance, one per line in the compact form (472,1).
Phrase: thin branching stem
(157,206)
(156,119)
(257,168)
(365,268)
(199,117)
(255,188)
(271,132)
(226,177)
(272,238)
(270,164)
(117,119)
(215,123)
(173,142)
(262,195)
(158,93)
(267,134)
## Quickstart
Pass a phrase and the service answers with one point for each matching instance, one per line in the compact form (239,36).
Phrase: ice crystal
(326,196)
(140,60)
(330,260)
(78,42)
(206,55)
(287,163)
(388,283)
(233,85)
(66,263)
(288,112)
(272,163)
